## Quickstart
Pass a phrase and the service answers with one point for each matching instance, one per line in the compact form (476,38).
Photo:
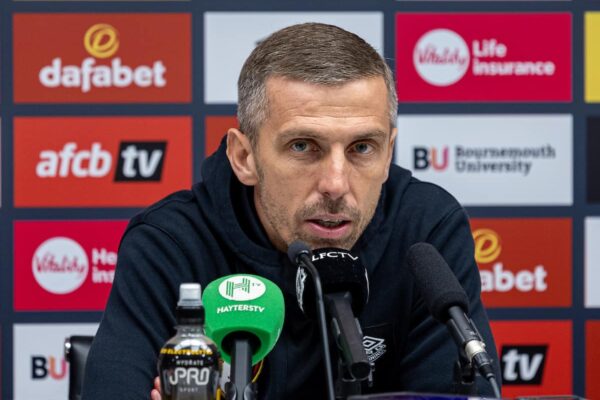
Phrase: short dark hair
(313,53)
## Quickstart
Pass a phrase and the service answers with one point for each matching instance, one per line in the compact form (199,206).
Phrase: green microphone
(244,317)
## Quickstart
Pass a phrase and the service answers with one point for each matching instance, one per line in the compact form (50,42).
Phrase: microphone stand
(353,365)
(346,385)
(304,259)
(241,387)
(464,377)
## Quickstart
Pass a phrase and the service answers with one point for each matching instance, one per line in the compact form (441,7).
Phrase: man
(311,161)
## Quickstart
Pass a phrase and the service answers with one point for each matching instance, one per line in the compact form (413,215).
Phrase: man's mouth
(329,223)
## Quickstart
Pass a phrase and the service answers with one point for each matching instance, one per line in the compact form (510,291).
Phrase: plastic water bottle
(189,363)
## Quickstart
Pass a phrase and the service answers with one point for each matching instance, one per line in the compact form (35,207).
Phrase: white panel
(592,262)
(230,37)
(40,370)
(492,160)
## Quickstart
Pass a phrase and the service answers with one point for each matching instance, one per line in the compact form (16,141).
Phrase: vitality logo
(64,265)
(442,57)
(60,265)
(483,56)
(523,364)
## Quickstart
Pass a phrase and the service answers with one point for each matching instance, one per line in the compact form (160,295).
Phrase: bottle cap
(190,295)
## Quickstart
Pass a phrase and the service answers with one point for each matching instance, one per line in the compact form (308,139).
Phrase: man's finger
(155,394)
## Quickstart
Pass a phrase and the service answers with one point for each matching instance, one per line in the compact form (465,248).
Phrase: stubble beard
(275,216)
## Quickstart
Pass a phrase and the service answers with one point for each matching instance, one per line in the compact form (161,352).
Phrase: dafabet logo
(524,262)
(64,265)
(96,58)
(483,57)
(100,161)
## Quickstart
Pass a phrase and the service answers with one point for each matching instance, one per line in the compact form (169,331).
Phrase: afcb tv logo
(523,364)
(136,161)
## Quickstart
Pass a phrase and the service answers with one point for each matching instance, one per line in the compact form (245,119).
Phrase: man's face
(320,159)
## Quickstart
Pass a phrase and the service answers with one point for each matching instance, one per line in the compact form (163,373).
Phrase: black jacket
(213,230)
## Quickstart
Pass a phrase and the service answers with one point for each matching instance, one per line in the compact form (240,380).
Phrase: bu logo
(435,158)
(523,364)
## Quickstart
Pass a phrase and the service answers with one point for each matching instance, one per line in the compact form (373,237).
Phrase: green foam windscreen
(244,306)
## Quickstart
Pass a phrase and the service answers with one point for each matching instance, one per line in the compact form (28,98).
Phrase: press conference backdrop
(108,106)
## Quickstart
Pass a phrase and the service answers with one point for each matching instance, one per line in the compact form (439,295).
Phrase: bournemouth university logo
(474,159)
(524,262)
(490,159)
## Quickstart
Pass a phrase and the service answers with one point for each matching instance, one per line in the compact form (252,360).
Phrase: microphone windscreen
(340,271)
(247,306)
(435,280)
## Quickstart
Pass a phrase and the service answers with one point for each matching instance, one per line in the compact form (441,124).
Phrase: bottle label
(188,374)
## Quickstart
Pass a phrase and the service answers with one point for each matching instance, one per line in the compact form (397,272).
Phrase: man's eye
(363,148)
(300,146)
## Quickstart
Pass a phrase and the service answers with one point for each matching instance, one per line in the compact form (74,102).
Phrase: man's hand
(155,393)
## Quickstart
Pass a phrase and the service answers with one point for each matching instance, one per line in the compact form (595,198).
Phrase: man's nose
(334,175)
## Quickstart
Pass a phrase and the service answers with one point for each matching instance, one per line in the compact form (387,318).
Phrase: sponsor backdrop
(108,106)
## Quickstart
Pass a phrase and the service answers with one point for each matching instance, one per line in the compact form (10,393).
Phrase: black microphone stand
(353,365)
(464,377)
(241,387)
(304,259)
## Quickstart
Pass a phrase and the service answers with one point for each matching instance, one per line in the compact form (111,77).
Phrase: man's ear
(241,157)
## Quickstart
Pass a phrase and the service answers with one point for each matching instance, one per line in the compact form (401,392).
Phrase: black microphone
(448,303)
(346,291)
(299,254)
